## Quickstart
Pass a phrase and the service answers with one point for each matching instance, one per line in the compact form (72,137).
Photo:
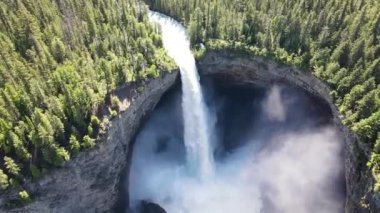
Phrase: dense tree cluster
(58,61)
(337,40)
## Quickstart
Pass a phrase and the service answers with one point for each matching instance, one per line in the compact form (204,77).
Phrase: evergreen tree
(3,180)
(11,166)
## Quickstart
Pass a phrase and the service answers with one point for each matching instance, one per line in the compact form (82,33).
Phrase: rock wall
(90,181)
(255,70)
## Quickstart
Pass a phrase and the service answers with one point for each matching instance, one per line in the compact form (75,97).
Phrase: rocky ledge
(243,69)
(90,182)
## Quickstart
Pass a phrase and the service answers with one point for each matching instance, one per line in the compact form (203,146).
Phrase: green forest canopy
(336,40)
(58,61)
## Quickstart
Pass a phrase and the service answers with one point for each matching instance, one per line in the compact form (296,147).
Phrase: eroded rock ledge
(90,181)
(255,70)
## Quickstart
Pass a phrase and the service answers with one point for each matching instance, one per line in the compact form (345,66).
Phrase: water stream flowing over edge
(282,161)
(196,127)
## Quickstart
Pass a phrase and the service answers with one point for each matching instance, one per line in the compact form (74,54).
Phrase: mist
(276,151)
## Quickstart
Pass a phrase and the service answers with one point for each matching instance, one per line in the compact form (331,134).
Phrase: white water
(196,128)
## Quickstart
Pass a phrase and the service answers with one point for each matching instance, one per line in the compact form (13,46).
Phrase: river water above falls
(224,147)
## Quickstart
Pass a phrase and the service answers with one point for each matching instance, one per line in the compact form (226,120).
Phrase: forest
(336,40)
(59,61)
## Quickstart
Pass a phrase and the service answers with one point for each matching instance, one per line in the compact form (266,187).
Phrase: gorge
(296,105)
(275,149)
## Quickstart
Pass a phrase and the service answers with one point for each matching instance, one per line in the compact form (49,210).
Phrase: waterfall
(196,129)
(274,161)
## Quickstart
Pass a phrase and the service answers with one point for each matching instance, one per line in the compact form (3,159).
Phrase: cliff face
(90,181)
(256,70)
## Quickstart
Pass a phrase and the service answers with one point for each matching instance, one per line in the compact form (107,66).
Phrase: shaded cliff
(90,181)
(244,69)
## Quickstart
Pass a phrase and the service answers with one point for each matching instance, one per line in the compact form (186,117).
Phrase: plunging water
(196,130)
(273,151)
